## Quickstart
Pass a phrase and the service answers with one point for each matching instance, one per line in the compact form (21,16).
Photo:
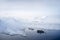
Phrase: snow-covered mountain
(20,26)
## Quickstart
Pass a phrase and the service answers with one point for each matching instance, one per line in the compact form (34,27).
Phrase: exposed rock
(40,31)
(30,28)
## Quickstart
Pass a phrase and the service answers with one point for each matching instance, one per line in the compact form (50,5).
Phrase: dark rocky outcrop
(30,28)
(40,31)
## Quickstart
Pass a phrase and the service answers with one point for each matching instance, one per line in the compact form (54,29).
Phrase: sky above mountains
(31,9)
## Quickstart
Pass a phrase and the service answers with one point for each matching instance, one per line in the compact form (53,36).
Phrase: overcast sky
(29,9)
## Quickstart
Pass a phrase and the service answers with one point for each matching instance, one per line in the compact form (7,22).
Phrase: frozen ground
(33,35)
